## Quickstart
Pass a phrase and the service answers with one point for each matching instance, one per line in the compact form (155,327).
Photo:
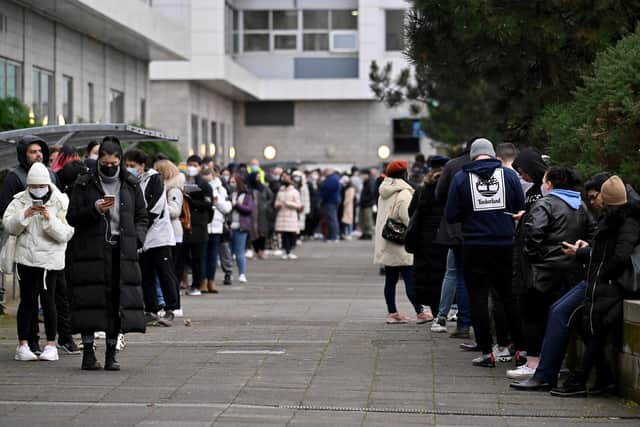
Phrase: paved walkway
(304,343)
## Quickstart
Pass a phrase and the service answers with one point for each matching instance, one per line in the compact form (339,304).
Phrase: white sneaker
(161,313)
(120,343)
(521,373)
(293,256)
(194,292)
(249,254)
(24,353)
(278,252)
(242,278)
(285,257)
(178,313)
(440,325)
(50,353)
(501,355)
(100,335)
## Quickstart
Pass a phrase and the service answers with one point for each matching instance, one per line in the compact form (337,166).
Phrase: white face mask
(93,156)
(192,171)
(39,193)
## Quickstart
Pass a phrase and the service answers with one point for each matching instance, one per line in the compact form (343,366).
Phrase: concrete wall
(173,104)
(630,355)
(323,131)
(34,40)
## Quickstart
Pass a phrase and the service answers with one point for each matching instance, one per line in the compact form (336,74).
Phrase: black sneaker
(69,347)
(35,348)
(470,346)
(169,316)
(152,319)
(461,333)
(485,361)
(573,386)
(227,279)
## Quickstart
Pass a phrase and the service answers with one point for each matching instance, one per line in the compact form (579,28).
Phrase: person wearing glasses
(108,212)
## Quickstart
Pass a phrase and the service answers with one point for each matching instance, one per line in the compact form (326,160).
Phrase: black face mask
(109,171)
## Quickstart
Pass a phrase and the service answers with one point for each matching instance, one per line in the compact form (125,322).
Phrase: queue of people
(511,239)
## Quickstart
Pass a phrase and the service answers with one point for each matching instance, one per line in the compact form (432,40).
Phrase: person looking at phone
(108,211)
(37,216)
(555,218)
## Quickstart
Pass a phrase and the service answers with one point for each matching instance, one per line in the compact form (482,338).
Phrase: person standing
(367,204)
(221,207)
(347,207)
(241,220)
(288,205)
(108,212)
(331,199)
(156,259)
(37,217)
(263,214)
(484,196)
(395,197)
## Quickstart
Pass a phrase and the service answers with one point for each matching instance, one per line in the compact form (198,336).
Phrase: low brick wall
(630,355)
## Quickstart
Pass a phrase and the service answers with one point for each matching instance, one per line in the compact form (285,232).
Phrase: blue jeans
(238,248)
(331,214)
(211,257)
(556,335)
(453,286)
(159,292)
(391,277)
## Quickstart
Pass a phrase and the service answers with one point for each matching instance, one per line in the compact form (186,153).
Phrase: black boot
(89,361)
(110,361)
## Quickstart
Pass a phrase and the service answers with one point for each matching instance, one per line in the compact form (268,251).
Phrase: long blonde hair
(167,169)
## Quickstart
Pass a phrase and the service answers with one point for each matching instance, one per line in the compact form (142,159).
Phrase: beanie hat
(38,175)
(613,192)
(482,146)
(397,167)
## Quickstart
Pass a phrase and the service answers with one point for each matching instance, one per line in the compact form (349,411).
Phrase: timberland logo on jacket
(488,193)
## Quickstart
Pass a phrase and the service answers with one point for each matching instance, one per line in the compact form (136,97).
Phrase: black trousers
(259,244)
(158,262)
(63,303)
(289,241)
(195,252)
(535,313)
(488,268)
(31,280)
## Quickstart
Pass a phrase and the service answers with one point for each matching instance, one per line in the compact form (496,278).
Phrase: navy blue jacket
(330,190)
(480,197)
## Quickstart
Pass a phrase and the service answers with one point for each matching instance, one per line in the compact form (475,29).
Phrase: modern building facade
(85,60)
(285,80)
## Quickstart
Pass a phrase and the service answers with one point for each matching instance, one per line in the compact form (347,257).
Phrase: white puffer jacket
(40,242)
(175,198)
(394,201)
(221,208)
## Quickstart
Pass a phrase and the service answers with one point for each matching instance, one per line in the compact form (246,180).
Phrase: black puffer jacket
(608,258)
(450,234)
(550,222)
(201,208)
(430,259)
(91,267)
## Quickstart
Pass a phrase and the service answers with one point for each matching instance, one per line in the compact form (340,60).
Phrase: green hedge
(13,114)
(600,128)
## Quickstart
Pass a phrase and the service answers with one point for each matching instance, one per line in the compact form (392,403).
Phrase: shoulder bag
(630,279)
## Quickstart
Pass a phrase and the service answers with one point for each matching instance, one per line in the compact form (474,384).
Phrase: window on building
(256,20)
(195,141)
(116,106)
(285,42)
(3,23)
(223,142)
(256,30)
(404,140)
(344,41)
(10,79)
(315,42)
(344,19)
(315,20)
(92,103)
(204,145)
(67,99)
(285,19)
(43,104)
(143,110)
(213,145)
(394,29)
(256,42)
(269,113)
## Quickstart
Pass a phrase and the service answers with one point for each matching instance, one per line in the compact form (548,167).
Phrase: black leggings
(259,244)
(289,241)
(158,262)
(32,286)
(197,252)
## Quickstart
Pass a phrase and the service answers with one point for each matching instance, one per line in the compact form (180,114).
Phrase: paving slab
(304,343)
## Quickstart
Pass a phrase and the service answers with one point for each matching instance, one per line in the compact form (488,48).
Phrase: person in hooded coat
(394,200)
(105,277)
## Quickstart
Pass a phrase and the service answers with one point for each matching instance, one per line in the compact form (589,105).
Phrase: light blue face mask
(133,171)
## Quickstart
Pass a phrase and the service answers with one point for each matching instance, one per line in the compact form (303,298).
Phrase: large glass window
(92,102)
(10,79)
(315,20)
(285,19)
(43,104)
(285,42)
(143,110)
(256,42)
(204,146)
(256,20)
(67,99)
(394,30)
(315,42)
(195,141)
(344,19)
(116,106)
